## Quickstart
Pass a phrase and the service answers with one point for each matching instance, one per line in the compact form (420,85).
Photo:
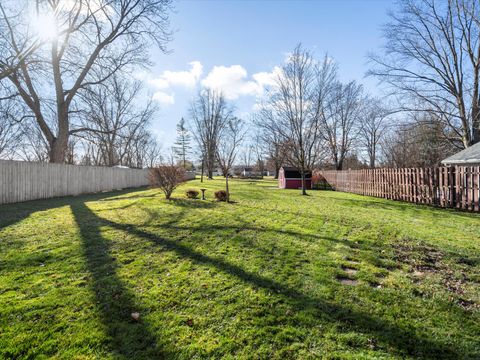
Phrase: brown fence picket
(454,186)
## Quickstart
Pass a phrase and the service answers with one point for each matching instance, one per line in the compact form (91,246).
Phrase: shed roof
(292,172)
(470,155)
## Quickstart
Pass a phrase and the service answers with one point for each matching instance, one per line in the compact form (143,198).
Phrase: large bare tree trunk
(304,187)
(277,170)
(339,165)
(227,189)
(58,150)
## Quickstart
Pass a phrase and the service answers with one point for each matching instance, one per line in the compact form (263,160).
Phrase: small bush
(192,193)
(319,182)
(221,195)
(167,178)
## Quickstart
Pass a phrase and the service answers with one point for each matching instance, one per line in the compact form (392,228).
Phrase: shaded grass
(256,279)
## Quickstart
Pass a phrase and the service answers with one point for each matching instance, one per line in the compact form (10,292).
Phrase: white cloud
(266,79)
(232,81)
(164,98)
(187,79)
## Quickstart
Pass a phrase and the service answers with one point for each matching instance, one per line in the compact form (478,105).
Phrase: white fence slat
(23,181)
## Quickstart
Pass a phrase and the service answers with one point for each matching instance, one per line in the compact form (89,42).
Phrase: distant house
(290,178)
(248,171)
(467,157)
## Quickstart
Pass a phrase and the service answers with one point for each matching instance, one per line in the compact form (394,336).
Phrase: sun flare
(45,26)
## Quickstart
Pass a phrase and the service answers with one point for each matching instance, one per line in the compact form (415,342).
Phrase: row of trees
(310,117)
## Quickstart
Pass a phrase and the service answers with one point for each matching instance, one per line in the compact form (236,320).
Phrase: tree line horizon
(71,97)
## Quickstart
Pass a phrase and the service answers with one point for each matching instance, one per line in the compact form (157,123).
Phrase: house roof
(470,155)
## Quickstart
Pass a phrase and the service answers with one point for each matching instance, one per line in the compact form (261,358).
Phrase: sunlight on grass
(273,275)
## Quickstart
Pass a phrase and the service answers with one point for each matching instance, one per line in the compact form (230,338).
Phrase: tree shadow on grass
(192,203)
(135,196)
(11,214)
(128,339)
(404,341)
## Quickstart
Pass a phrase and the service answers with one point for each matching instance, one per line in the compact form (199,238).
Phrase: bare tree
(297,102)
(11,20)
(432,60)
(230,140)
(247,155)
(151,152)
(167,178)
(340,119)
(373,126)
(209,115)
(421,142)
(33,146)
(91,41)
(11,130)
(116,122)
(269,139)
(10,137)
(142,151)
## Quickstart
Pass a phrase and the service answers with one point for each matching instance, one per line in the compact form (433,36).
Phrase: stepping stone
(349,282)
(350,271)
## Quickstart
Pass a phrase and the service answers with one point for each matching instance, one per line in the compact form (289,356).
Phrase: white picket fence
(22,181)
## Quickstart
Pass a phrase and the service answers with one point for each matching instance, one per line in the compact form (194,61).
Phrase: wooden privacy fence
(452,187)
(22,181)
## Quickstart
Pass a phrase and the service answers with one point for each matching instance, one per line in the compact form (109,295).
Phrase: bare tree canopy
(269,139)
(209,115)
(432,60)
(11,131)
(88,41)
(418,143)
(372,128)
(340,118)
(115,124)
(12,21)
(295,105)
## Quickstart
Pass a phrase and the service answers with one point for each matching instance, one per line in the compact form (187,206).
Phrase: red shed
(290,178)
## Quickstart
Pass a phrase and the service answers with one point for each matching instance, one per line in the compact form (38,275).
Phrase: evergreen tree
(182,144)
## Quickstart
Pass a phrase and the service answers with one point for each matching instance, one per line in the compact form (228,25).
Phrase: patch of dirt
(421,257)
(425,260)
(468,261)
(467,304)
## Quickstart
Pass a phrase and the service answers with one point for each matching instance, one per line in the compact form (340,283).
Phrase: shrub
(192,193)
(319,182)
(221,195)
(167,178)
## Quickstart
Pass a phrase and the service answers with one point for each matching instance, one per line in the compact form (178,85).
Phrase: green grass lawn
(272,276)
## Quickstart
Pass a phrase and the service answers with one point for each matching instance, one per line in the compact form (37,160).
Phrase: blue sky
(235,45)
